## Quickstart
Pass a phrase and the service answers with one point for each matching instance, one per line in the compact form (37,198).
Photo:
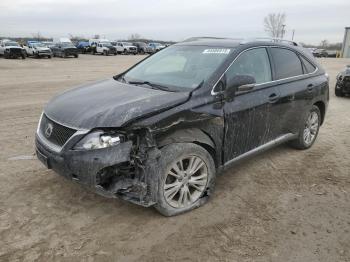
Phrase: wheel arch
(322,107)
(189,135)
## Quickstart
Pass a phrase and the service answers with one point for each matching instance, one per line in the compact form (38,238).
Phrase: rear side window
(309,68)
(287,63)
(254,62)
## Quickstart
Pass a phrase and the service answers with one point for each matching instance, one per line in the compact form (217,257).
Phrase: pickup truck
(11,49)
(103,47)
(125,48)
(37,49)
(64,50)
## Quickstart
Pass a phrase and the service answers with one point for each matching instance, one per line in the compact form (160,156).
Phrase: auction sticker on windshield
(216,51)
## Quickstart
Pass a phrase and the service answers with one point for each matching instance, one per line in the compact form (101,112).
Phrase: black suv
(143,48)
(64,50)
(159,133)
(342,87)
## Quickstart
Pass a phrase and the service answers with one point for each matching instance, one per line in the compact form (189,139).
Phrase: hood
(109,103)
(13,47)
(42,48)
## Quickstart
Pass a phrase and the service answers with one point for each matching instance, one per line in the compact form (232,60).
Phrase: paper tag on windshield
(216,51)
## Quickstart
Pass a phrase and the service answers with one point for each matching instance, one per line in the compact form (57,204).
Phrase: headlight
(99,139)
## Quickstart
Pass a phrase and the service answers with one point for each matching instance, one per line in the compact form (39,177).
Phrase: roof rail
(196,38)
(274,40)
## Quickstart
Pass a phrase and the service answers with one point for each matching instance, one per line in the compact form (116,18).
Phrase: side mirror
(239,83)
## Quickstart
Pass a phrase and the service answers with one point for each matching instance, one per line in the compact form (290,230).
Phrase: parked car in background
(48,44)
(125,48)
(84,47)
(320,53)
(102,46)
(342,87)
(11,49)
(143,48)
(160,132)
(64,49)
(332,53)
(156,46)
(37,49)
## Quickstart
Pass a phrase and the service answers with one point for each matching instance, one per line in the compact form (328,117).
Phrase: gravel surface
(283,205)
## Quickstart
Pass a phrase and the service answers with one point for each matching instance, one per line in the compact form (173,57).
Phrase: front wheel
(185,179)
(309,130)
(76,55)
(338,92)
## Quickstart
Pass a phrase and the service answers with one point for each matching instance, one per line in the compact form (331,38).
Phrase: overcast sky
(175,20)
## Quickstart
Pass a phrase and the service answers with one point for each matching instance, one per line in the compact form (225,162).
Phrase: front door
(251,118)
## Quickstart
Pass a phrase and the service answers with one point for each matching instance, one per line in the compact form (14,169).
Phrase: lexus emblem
(48,130)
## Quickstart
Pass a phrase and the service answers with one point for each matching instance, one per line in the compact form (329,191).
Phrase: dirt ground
(283,205)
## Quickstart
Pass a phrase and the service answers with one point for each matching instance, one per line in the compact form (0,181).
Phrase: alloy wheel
(185,181)
(311,128)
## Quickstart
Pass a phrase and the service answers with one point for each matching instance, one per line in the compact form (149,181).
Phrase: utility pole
(293,34)
(283,31)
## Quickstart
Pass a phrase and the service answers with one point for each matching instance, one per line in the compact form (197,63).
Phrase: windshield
(66,44)
(11,44)
(180,67)
(106,44)
(38,45)
(127,43)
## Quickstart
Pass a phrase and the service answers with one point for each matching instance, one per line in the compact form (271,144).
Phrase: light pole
(283,31)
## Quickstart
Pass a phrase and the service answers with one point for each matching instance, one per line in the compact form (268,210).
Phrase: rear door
(295,86)
(250,117)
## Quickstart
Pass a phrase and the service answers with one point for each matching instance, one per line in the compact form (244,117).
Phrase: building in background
(346,43)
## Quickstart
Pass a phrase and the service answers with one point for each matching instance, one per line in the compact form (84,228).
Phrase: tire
(49,57)
(338,92)
(170,156)
(76,55)
(304,141)
(125,52)
(23,56)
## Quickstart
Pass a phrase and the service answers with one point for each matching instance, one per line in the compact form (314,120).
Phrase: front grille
(71,50)
(55,133)
(15,51)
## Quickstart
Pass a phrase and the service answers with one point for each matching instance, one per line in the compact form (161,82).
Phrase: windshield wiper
(153,85)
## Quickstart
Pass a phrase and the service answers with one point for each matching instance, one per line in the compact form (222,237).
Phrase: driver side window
(254,62)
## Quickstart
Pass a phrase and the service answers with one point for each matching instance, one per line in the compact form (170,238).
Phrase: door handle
(310,87)
(273,97)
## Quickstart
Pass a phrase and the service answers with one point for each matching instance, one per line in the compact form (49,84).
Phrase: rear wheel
(309,130)
(186,174)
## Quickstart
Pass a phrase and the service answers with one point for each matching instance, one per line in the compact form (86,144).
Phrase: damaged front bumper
(110,172)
